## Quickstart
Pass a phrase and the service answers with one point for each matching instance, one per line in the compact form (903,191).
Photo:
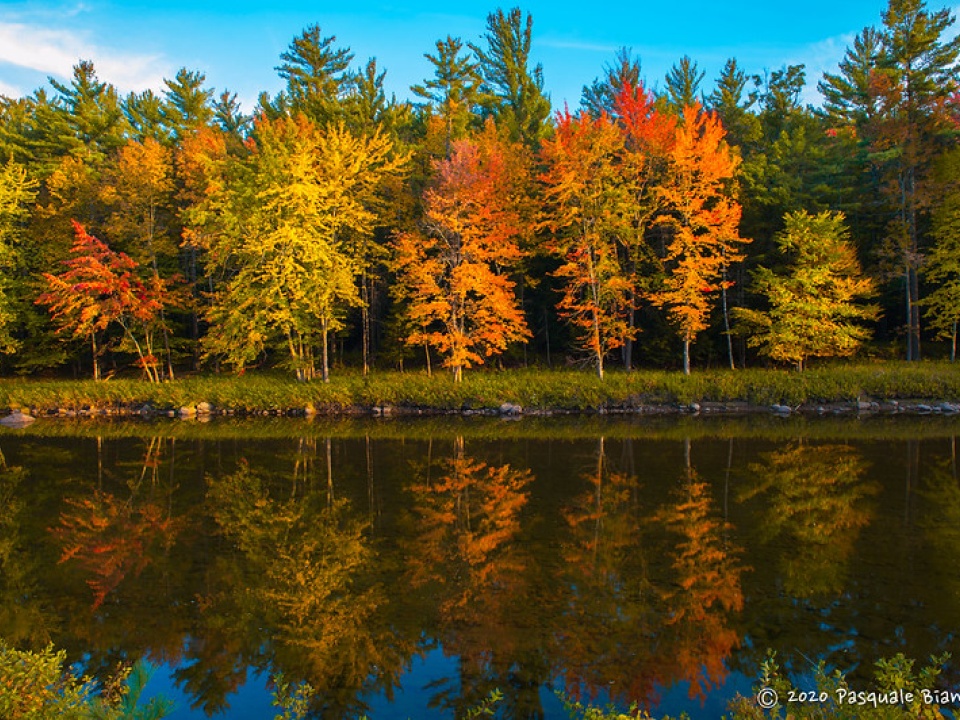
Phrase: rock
(694,407)
(923,408)
(860,406)
(17,419)
(781,409)
(187,411)
(950,408)
(383,410)
(146,410)
(511,409)
(204,408)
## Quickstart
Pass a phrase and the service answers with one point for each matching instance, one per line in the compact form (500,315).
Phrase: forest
(714,223)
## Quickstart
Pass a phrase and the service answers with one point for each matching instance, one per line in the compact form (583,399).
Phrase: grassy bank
(533,389)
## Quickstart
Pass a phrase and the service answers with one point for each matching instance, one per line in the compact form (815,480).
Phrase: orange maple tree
(452,276)
(101,287)
(590,192)
(703,218)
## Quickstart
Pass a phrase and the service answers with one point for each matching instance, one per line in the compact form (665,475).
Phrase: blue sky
(134,45)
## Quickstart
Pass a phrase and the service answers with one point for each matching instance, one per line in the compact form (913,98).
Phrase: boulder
(17,419)
(511,409)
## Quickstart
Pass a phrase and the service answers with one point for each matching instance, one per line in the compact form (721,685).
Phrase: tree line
(472,225)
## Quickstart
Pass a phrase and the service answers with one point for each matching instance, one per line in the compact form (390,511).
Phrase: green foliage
(37,686)
(814,306)
(292,699)
(838,700)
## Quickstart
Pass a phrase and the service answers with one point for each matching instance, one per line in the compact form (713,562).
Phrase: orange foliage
(708,582)
(110,539)
(704,219)
(592,195)
(452,277)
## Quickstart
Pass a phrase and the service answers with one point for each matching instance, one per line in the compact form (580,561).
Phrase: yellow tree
(703,218)
(286,214)
(814,306)
(590,194)
(452,276)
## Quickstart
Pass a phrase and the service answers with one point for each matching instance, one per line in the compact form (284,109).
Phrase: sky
(237,45)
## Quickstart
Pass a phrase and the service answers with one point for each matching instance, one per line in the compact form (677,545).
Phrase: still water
(406,569)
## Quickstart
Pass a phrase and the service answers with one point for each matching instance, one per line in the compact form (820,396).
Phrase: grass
(564,390)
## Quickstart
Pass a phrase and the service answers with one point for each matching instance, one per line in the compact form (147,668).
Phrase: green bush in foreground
(37,686)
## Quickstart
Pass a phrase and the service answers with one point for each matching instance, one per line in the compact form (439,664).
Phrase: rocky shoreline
(203,411)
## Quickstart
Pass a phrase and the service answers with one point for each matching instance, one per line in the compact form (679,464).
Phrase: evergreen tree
(228,115)
(683,85)
(187,104)
(943,261)
(453,93)
(144,113)
(917,74)
(317,76)
(600,96)
(513,91)
(92,113)
(816,306)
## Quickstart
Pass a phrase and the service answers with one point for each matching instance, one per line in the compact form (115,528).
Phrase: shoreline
(877,388)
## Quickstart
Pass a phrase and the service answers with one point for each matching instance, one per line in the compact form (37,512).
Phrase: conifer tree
(513,91)
(453,93)
(600,96)
(943,261)
(816,305)
(317,76)
(683,85)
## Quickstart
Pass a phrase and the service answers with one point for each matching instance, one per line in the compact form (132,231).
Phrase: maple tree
(139,190)
(702,217)
(816,305)
(286,219)
(590,196)
(100,287)
(648,136)
(452,278)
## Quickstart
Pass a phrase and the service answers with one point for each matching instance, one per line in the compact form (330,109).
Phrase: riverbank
(887,387)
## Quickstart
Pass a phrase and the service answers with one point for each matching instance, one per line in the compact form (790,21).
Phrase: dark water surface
(405,569)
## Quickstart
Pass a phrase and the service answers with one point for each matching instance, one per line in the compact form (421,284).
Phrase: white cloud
(55,52)
(10,91)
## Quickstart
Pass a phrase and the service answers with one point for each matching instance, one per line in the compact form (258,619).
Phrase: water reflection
(817,501)
(611,566)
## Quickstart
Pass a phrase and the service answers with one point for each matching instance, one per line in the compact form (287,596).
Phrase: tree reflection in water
(464,557)
(816,502)
(637,623)
(603,565)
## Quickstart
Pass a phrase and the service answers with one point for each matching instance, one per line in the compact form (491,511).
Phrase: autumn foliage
(453,276)
(100,287)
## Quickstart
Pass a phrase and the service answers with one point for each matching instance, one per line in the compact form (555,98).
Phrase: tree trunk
(726,318)
(365,322)
(96,363)
(686,356)
(326,351)
(953,342)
